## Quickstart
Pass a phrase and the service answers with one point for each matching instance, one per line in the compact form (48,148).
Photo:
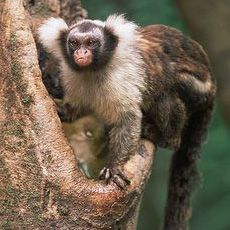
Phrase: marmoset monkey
(87,139)
(143,82)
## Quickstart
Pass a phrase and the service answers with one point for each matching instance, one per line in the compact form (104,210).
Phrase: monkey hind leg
(184,174)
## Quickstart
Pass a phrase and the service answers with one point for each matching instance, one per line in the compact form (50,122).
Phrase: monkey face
(83,48)
(89,46)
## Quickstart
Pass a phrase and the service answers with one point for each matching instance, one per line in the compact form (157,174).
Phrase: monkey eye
(73,42)
(89,134)
(91,42)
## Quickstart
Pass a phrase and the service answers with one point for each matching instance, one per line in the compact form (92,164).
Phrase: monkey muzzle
(83,57)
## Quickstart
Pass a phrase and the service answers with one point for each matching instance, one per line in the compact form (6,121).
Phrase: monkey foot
(114,175)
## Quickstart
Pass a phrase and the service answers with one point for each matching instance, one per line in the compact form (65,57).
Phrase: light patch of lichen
(36,127)
(16,71)
(22,88)
(12,42)
(15,128)
(30,157)
(6,225)
(16,206)
(7,205)
(27,100)
(48,160)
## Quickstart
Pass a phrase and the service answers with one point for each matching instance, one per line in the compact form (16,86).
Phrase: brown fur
(176,110)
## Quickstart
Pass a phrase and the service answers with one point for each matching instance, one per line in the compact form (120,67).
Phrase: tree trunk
(40,185)
(208,21)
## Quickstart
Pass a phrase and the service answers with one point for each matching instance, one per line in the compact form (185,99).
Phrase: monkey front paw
(115,175)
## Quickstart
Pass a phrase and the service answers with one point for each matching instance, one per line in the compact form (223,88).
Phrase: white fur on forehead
(121,27)
(118,24)
(96,22)
(95,30)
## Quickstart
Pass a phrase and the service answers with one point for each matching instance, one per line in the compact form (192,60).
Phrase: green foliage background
(211,203)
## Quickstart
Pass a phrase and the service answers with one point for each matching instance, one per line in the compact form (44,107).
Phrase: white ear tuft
(121,27)
(49,33)
(116,18)
(119,20)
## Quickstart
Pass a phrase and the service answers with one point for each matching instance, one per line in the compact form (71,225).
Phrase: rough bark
(208,21)
(40,185)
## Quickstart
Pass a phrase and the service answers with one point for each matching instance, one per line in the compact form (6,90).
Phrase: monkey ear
(115,20)
(122,28)
(50,32)
(111,38)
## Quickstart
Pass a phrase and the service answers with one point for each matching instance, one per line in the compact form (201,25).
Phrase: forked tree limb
(40,185)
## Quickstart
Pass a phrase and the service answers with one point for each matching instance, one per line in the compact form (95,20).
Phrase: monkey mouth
(82,61)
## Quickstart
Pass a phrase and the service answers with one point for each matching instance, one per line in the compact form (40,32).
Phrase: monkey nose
(83,57)
(82,51)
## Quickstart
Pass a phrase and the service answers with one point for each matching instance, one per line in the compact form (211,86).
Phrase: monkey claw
(114,175)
